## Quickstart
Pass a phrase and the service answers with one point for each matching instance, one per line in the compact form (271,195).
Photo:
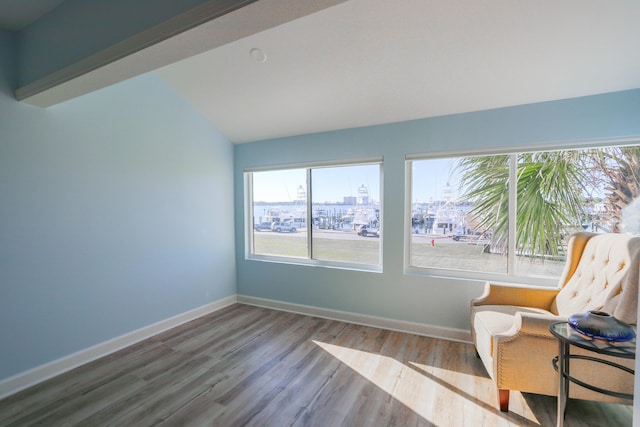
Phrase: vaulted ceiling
(367,62)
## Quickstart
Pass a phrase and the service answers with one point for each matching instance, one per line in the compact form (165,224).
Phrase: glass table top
(566,333)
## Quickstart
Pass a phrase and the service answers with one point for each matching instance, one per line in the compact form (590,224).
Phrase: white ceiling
(367,62)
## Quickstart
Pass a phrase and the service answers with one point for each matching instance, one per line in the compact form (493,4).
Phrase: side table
(567,337)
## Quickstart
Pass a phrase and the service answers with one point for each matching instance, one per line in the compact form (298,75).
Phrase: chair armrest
(521,356)
(495,294)
(531,324)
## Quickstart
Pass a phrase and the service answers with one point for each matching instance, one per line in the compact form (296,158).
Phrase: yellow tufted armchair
(510,324)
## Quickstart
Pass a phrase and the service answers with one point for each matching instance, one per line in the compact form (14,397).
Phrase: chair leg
(503,399)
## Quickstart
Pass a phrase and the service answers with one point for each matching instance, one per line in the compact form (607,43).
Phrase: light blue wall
(116,212)
(392,294)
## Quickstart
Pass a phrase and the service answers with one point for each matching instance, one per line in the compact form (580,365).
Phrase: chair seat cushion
(491,320)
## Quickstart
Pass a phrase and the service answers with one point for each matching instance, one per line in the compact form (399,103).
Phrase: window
(511,214)
(279,208)
(327,215)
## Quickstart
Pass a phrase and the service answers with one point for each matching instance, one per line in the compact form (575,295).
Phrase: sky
(332,184)
(277,186)
(430,177)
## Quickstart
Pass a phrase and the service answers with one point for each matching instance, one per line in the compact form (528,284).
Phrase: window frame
(511,275)
(309,260)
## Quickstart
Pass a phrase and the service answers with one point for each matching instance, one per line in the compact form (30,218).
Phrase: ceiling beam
(203,28)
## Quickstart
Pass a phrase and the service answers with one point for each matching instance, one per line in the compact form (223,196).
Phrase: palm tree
(617,171)
(486,184)
(550,195)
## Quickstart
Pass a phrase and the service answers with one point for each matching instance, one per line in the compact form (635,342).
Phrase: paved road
(352,235)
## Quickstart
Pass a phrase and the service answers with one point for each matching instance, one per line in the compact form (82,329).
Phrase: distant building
(349,200)
(363,196)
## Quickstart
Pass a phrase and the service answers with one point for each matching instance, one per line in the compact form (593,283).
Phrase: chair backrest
(601,273)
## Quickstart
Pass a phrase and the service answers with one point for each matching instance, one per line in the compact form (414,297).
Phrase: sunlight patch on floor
(478,391)
(431,392)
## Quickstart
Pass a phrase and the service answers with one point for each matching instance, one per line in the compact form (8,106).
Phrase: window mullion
(249,219)
(513,194)
(309,216)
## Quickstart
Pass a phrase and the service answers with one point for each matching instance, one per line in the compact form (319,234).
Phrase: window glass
(551,197)
(461,218)
(342,225)
(446,232)
(279,206)
(346,214)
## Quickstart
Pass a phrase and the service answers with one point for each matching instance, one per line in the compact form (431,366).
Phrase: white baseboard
(41,373)
(450,334)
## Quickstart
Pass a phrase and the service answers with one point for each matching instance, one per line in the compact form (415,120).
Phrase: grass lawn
(360,250)
(471,257)
(445,254)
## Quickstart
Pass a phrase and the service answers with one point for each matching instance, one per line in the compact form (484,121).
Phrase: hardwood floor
(246,365)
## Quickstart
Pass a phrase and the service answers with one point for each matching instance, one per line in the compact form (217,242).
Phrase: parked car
(262,226)
(367,230)
(461,233)
(280,227)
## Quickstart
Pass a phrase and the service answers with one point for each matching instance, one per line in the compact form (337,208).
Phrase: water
(324,215)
